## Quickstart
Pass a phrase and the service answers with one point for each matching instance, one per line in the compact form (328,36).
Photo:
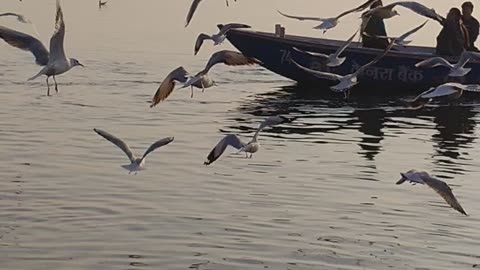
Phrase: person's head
(454,14)
(376,4)
(467,9)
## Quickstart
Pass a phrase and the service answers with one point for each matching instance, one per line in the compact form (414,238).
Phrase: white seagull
(229,58)
(249,148)
(456,70)
(448,90)
(334,59)
(387,12)
(420,177)
(193,8)
(21,18)
(136,164)
(346,82)
(55,62)
(401,40)
(329,23)
(218,38)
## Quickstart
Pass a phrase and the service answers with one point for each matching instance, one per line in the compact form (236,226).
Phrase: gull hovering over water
(55,62)
(401,40)
(334,59)
(346,82)
(136,164)
(249,148)
(456,70)
(21,18)
(193,8)
(420,177)
(218,38)
(229,58)
(329,23)
(448,90)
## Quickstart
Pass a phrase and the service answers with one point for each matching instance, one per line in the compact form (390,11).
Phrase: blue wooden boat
(396,71)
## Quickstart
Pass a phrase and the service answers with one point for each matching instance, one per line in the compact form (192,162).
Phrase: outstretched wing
(218,150)
(157,144)
(446,192)
(419,9)
(347,43)
(313,54)
(199,42)
(168,84)
(272,121)
(192,10)
(118,142)
(57,51)
(357,9)
(374,61)
(411,32)
(229,58)
(225,28)
(319,74)
(27,43)
(433,62)
(443,90)
(301,18)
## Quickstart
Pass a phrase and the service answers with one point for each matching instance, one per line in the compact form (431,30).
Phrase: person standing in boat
(453,38)
(471,24)
(374,30)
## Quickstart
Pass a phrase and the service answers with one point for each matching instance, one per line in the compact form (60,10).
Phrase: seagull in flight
(21,18)
(346,82)
(456,70)
(329,23)
(249,148)
(401,40)
(451,91)
(55,62)
(136,164)
(229,58)
(420,177)
(193,8)
(218,38)
(388,11)
(334,59)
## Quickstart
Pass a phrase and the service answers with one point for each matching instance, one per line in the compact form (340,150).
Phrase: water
(320,194)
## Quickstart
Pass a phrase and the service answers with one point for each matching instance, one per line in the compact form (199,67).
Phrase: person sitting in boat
(453,38)
(375,29)
(471,24)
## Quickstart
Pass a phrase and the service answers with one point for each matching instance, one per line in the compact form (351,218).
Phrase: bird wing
(464,58)
(411,32)
(157,144)
(218,150)
(301,18)
(168,84)
(419,9)
(445,191)
(313,54)
(442,91)
(376,59)
(470,87)
(271,121)
(192,10)
(26,42)
(199,42)
(229,58)
(347,43)
(433,62)
(357,9)
(57,51)
(319,74)
(227,27)
(20,17)
(118,142)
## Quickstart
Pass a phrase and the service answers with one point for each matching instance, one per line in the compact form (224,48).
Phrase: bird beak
(80,64)
(403,179)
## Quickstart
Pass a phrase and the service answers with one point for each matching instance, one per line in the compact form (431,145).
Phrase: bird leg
(48,87)
(191,95)
(56,86)
(227,3)
(246,155)
(203,87)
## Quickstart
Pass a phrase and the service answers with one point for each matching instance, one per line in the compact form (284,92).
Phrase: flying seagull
(346,82)
(448,90)
(334,59)
(21,18)
(456,70)
(193,8)
(401,40)
(229,58)
(55,62)
(329,23)
(249,148)
(136,164)
(217,38)
(388,11)
(420,177)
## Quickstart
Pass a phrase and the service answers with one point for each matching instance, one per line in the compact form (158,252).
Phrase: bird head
(74,62)
(395,13)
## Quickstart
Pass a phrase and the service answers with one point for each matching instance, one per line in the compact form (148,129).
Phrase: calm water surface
(320,194)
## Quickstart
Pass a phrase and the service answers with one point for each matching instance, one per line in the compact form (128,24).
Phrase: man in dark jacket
(471,24)
(374,31)
(452,39)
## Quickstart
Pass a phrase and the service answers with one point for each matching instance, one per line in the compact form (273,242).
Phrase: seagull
(456,70)
(387,12)
(55,62)
(193,8)
(346,82)
(329,23)
(226,57)
(332,60)
(401,40)
(101,4)
(136,164)
(420,177)
(249,148)
(178,75)
(20,18)
(447,90)
(218,38)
